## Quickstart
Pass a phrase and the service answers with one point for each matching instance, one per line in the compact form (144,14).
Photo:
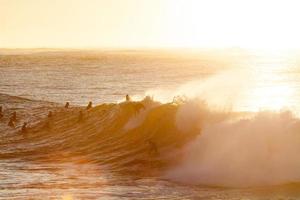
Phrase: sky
(268,24)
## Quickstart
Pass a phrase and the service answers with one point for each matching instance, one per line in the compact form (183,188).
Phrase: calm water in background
(98,76)
(107,76)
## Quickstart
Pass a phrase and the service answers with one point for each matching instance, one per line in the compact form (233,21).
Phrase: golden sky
(149,23)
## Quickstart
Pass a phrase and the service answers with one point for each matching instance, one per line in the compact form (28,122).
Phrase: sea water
(226,80)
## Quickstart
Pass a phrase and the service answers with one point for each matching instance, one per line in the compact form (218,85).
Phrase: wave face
(126,136)
(181,141)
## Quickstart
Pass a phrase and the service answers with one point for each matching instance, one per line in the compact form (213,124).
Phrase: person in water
(24,128)
(67,105)
(11,122)
(50,114)
(127,97)
(89,106)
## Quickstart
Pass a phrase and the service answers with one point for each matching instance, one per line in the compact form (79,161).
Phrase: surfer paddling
(127,97)
(67,105)
(89,106)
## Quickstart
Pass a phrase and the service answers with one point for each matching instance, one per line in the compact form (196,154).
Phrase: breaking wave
(182,141)
(259,150)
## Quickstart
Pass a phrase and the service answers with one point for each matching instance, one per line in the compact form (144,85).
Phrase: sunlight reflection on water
(274,84)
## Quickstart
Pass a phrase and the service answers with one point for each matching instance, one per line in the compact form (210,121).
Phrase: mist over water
(258,150)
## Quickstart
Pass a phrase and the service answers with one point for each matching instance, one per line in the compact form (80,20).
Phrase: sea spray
(222,91)
(256,151)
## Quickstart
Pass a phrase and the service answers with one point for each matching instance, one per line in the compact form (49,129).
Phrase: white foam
(261,150)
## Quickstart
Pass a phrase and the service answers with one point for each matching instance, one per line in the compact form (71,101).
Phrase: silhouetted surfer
(11,122)
(50,114)
(128,97)
(24,128)
(67,105)
(80,116)
(89,106)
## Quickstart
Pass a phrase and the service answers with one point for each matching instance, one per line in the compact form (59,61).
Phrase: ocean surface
(98,76)
(205,124)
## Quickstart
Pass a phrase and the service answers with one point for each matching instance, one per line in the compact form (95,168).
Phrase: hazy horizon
(139,24)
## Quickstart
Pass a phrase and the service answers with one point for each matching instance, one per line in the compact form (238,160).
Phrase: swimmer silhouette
(89,106)
(127,97)
(67,105)
(50,114)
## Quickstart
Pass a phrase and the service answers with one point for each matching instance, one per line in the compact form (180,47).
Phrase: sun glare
(252,24)
(156,23)
(67,197)
(271,98)
(269,89)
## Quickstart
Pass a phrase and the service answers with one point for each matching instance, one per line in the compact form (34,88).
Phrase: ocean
(201,124)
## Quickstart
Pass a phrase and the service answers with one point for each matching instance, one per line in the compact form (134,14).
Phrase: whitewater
(198,126)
